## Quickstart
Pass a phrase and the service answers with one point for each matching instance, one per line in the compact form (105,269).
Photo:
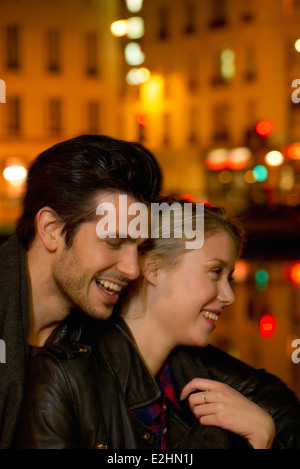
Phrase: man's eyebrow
(122,237)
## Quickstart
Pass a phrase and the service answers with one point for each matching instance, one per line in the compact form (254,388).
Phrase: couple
(145,378)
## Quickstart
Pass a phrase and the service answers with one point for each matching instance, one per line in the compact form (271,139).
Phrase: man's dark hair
(68,176)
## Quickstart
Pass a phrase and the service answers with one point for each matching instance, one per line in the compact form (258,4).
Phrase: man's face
(92,273)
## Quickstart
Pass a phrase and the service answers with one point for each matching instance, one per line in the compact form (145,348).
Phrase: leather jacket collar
(137,385)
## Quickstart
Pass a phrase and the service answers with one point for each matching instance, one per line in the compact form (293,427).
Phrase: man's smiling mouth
(109,287)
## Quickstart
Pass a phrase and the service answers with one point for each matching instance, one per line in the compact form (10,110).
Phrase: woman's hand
(219,405)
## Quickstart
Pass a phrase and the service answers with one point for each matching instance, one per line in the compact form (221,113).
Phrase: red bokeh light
(264,128)
(267,326)
(142,119)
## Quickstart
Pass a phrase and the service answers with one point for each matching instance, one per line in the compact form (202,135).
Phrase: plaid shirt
(154,415)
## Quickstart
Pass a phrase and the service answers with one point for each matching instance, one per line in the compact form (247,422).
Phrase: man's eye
(113,244)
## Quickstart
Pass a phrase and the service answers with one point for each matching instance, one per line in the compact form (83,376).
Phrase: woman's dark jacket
(82,395)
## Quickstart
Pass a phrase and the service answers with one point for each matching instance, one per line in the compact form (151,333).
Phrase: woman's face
(193,294)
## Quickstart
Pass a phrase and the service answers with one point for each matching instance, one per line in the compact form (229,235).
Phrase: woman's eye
(217,271)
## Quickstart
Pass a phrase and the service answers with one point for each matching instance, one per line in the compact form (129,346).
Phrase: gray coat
(14,330)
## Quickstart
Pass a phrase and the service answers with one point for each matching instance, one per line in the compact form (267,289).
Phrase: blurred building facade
(217,69)
(59,63)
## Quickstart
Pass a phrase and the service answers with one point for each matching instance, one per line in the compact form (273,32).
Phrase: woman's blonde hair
(167,247)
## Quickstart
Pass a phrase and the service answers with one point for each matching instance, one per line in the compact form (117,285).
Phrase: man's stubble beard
(75,288)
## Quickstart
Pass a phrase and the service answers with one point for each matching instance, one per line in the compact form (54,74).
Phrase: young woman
(147,379)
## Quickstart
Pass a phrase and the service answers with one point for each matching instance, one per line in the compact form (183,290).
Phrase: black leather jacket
(82,395)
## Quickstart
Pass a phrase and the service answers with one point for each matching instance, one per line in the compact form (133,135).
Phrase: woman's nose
(226,295)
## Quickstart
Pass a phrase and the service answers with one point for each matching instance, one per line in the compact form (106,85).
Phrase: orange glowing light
(142,119)
(295,273)
(241,271)
(293,151)
(189,197)
(264,128)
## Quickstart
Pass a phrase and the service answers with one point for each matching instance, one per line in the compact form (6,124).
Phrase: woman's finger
(197,384)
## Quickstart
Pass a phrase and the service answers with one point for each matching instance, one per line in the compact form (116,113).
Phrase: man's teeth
(109,286)
(208,314)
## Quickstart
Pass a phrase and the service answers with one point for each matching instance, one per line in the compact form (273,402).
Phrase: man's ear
(48,228)
(151,270)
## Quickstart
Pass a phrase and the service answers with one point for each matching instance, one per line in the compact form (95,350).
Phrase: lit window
(227,64)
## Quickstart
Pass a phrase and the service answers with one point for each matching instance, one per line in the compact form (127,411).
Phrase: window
(218,13)
(53,50)
(164,29)
(294,122)
(92,46)
(221,122)
(190,14)
(93,116)
(13,47)
(55,115)
(193,125)
(225,68)
(13,107)
(193,83)
(250,72)
(247,14)
(166,129)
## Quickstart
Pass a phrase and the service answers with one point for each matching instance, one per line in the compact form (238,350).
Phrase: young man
(57,263)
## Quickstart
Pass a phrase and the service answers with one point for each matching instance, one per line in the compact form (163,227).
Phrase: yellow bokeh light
(152,92)
(15,174)
(134,54)
(134,5)
(249,177)
(274,158)
(119,28)
(137,76)
(136,27)
(297,45)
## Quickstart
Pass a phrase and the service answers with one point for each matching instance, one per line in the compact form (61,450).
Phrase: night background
(211,88)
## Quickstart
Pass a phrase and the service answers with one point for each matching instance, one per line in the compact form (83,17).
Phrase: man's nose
(129,264)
